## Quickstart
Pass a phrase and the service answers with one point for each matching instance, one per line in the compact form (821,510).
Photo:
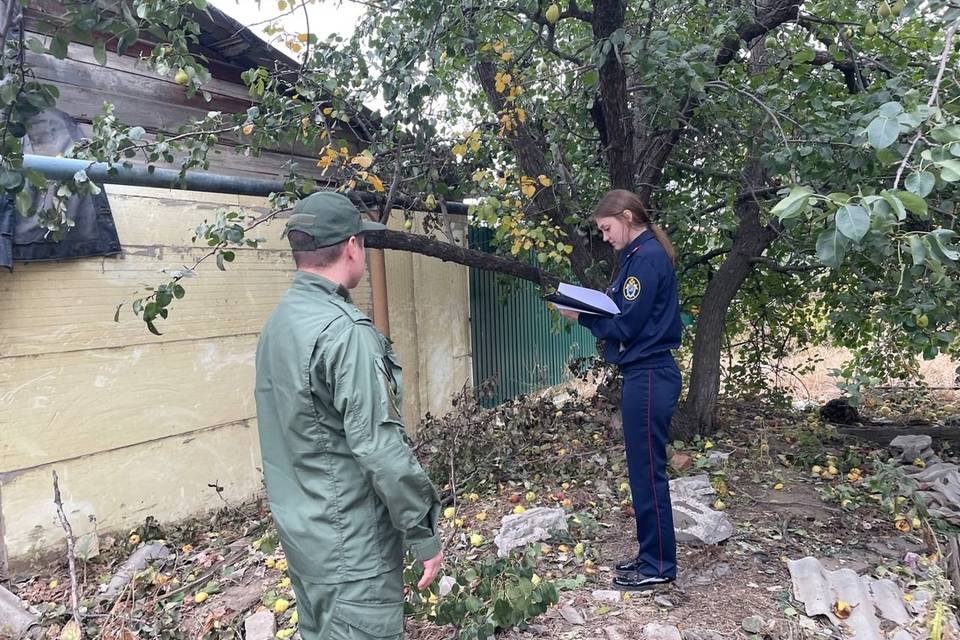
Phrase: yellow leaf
(521,115)
(376,183)
(282,5)
(363,160)
(459,150)
(506,56)
(71,631)
(294,46)
(247,129)
(327,111)
(528,190)
(324,162)
(303,37)
(498,47)
(544,180)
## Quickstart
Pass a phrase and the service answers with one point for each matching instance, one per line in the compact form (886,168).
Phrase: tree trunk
(696,415)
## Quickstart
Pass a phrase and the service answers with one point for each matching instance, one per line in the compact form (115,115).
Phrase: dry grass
(820,385)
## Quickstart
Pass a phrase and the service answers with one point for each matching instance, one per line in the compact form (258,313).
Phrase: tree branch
(427,246)
(773,265)
(934,93)
(657,149)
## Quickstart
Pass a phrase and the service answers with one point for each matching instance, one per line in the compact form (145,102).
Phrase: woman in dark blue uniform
(640,340)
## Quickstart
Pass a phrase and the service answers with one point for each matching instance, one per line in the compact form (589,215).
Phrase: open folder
(582,299)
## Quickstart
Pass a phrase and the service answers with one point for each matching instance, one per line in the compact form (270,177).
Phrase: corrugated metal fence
(517,342)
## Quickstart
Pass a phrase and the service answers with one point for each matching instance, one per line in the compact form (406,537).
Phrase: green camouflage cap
(328,217)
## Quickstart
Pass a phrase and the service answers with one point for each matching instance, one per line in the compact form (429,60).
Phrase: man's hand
(431,568)
(569,315)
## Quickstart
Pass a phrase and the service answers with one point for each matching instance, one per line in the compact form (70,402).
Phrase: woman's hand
(570,315)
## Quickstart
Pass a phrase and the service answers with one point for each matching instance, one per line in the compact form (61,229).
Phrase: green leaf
(921,183)
(794,204)
(890,109)
(100,52)
(883,131)
(179,291)
(153,328)
(896,203)
(830,248)
(24,201)
(949,170)
(949,133)
(35,45)
(912,202)
(917,251)
(220,264)
(59,46)
(590,78)
(853,221)
(943,239)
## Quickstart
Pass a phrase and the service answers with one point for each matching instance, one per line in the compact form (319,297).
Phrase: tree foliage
(804,156)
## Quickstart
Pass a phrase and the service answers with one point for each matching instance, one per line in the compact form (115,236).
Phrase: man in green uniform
(345,490)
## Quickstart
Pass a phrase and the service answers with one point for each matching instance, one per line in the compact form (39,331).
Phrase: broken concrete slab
(696,488)
(606,595)
(570,614)
(519,530)
(15,615)
(133,565)
(260,626)
(657,631)
(701,634)
(695,522)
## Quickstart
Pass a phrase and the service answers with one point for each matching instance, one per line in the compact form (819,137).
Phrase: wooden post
(378,286)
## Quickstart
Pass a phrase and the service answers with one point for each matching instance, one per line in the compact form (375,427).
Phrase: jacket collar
(634,246)
(311,282)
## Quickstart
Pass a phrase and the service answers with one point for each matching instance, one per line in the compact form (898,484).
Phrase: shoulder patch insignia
(631,288)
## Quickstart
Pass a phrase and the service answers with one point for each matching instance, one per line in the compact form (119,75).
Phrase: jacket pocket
(360,620)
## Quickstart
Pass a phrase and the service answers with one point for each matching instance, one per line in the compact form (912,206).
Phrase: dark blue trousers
(648,401)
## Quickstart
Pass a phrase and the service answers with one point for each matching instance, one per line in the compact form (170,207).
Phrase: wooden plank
(121,83)
(60,406)
(119,487)
(80,54)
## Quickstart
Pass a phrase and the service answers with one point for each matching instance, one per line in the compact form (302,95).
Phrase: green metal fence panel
(517,342)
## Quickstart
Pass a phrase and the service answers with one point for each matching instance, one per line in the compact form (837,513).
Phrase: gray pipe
(139,176)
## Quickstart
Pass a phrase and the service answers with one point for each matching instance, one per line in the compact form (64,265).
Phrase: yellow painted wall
(429,304)
(137,424)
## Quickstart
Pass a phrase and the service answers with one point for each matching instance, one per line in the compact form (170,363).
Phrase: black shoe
(628,566)
(636,581)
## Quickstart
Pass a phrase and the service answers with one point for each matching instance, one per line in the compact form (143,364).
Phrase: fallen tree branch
(71,549)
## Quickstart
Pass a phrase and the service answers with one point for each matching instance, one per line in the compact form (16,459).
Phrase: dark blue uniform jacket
(645,290)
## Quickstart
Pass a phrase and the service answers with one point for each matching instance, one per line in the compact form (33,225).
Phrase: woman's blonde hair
(615,202)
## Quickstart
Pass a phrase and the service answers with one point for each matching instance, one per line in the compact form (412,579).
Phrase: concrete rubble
(694,519)
(534,525)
